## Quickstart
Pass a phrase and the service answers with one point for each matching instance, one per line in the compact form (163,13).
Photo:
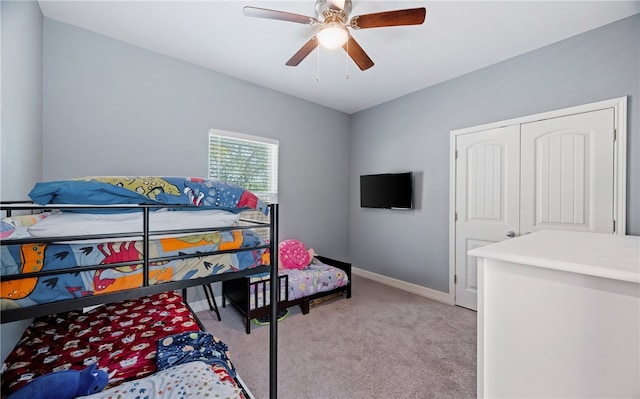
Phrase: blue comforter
(109,190)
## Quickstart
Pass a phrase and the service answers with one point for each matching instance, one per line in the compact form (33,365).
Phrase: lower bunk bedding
(297,287)
(149,347)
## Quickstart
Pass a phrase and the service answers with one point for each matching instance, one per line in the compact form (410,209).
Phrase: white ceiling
(457,37)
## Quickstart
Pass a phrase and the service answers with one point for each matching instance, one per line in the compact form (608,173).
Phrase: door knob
(511,233)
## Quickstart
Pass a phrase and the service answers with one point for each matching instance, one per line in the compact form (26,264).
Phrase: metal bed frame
(9,315)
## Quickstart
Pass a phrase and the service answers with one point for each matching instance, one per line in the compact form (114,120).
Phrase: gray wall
(115,109)
(21,115)
(412,134)
(21,134)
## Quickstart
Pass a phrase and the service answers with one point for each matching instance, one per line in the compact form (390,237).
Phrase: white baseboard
(405,286)
(201,305)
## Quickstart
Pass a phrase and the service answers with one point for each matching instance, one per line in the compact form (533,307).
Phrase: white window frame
(270,196)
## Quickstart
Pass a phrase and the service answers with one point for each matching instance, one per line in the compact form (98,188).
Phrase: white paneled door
(487,201)
(567,173)
(556,173)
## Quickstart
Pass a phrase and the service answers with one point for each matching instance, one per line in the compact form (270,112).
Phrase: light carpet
(381,343)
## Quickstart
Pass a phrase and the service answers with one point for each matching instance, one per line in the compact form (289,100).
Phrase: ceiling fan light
(333,35)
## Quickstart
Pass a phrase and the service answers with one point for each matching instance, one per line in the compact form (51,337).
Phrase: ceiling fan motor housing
(327,11)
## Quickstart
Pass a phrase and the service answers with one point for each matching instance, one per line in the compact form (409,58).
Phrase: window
(248,161)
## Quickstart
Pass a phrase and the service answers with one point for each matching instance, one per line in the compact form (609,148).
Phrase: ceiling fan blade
(304,51)
(412,16)
(357,54)
(257,12)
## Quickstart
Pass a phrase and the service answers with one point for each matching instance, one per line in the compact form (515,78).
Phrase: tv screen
(389,190)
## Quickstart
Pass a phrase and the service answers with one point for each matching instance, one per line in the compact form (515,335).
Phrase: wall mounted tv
(389,190)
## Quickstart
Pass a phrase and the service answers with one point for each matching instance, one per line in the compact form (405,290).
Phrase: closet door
(567,169)
(487,200)
(567,166)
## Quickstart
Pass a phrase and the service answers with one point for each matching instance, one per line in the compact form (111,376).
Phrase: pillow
(15,226)
(191,380)
(191,192)
(294,255)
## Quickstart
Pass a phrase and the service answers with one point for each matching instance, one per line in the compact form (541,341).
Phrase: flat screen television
(389,191)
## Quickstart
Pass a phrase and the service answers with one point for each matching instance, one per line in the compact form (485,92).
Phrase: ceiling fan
(331,19)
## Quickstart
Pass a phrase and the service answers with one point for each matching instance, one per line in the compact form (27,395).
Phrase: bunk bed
(95,267)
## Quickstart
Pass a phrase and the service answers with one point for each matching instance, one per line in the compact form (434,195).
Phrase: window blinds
(248,161)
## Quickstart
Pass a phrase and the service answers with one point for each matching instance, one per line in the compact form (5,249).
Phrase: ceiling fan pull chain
(318,66)
(346,57)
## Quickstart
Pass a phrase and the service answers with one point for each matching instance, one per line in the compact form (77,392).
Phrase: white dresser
(559,316)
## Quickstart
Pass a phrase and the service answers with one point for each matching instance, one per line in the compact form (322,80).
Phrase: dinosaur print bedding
(36,257)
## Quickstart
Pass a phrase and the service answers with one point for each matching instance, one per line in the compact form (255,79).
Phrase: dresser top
(602,255)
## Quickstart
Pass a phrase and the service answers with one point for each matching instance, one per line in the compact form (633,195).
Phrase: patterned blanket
(121,338)
(189,380)
(317,277)
(31,291)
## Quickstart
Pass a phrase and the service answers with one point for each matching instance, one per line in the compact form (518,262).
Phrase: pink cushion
(293,254)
